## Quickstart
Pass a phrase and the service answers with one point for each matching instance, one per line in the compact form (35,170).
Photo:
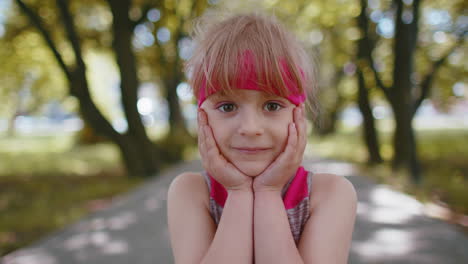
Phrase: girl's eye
(272,107)
(227,108)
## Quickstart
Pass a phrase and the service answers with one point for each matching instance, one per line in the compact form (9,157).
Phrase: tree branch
(370,46)
(428,80)
(71,32)
(13,32)
(36,21)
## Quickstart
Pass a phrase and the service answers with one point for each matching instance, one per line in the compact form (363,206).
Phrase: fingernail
(204,117)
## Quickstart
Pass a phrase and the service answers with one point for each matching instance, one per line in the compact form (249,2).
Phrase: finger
(203,118)
(202,121)
(291,142)
(199,126)
(301,130)
(292,138)
(202,144)
(304,128)
(304,124)
(208,139)
(211,148)
(201,135)
(218,163)
(200,129)
(287,157)
(298,123)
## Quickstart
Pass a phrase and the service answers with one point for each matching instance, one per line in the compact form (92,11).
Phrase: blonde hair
(215,60)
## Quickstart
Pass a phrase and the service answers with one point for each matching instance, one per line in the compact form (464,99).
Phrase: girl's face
(250,128)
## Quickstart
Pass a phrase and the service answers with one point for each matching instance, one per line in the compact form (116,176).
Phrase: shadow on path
(390,228)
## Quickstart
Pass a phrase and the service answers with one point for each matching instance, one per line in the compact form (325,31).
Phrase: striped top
(295,196)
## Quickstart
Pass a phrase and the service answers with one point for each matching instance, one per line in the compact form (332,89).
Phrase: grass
(47,183)
(46,155)
(443,155)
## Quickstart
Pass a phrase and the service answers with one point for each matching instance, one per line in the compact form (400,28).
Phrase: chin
(250,169)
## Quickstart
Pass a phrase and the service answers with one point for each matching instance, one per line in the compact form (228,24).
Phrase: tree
(27,81)
(404,94)
(322,27)
(164,59)
(136,148)
(368,129)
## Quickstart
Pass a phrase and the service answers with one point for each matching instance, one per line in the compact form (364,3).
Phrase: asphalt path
(391,227)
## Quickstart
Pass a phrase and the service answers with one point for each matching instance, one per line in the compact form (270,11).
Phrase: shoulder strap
(297,189)
(207,180)
(217,191)
(309,181)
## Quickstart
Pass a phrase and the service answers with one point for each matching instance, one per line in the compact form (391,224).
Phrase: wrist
(266,196)
(240,195)
(267,191)
(239,191)
(258,188)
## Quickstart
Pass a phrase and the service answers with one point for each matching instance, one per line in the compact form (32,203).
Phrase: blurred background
(93,100)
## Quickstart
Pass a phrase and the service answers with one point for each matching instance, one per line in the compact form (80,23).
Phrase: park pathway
(391,227)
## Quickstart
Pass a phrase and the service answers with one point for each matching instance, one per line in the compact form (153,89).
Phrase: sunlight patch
(386,242)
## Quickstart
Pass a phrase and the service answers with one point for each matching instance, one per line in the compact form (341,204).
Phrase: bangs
(249,48)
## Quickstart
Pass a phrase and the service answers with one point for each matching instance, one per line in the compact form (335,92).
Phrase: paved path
(390,228)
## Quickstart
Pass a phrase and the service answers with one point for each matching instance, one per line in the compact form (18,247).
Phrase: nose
(251,124)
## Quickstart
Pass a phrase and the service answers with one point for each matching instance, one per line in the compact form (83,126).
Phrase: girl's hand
(213,161)
(286,164)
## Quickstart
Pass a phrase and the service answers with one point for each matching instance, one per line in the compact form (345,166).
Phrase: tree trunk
(123,31)
(368,129)
(402,102)
(11,129)
(176,118)
(135,147)
(178,136)
(128,147)
(88,136)
(402,94)
(369,132)
(325,123)
(404,143)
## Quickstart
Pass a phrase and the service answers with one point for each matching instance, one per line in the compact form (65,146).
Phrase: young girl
(255,203)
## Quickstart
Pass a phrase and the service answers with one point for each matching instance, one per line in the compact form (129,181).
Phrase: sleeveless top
(295,196)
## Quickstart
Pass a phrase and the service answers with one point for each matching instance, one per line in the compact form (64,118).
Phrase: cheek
(283,136)
(218,130)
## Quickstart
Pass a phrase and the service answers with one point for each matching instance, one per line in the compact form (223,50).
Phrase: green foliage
(27,65)
(47,155)
(445,160)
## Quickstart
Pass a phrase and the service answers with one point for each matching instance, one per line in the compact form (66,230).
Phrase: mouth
(251,150)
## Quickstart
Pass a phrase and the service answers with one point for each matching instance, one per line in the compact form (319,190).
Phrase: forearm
(273,239)
(233,241)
